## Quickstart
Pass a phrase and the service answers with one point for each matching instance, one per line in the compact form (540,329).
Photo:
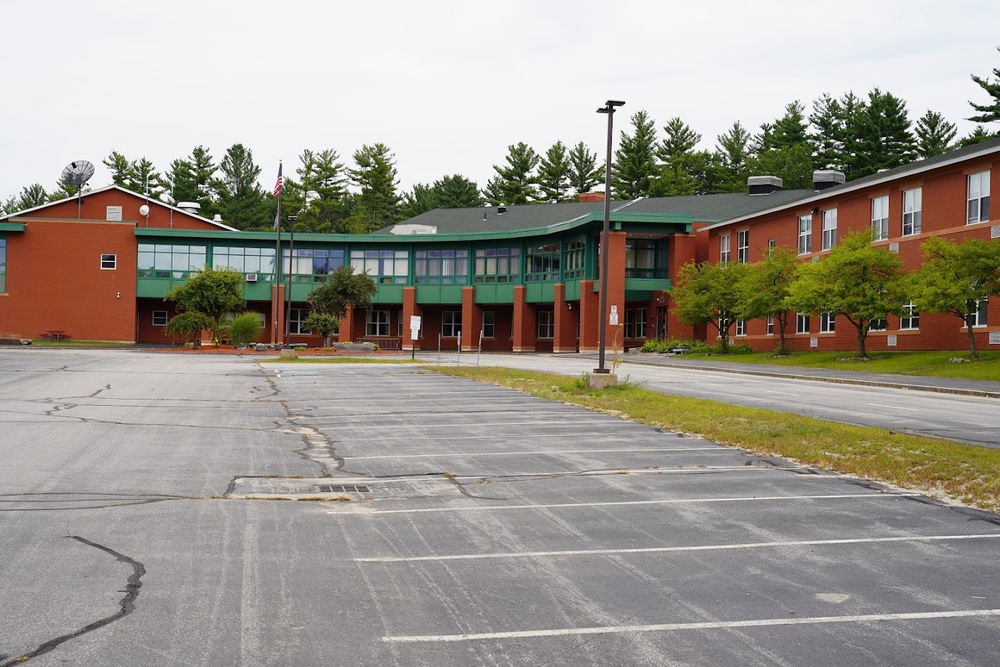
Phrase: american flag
(279,183)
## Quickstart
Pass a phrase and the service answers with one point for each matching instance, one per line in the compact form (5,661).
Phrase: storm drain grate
(344,488)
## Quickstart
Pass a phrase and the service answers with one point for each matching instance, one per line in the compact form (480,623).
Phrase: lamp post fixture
(609,109)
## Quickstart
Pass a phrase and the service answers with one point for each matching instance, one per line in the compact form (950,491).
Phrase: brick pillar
(616,288)
(681,251)
(564,339)
(347,326)
(277,314)
(472,319)
(410,308)
(524,322)
(590,304)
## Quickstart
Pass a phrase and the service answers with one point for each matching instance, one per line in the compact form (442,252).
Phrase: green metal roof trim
(11,226)
(679,223)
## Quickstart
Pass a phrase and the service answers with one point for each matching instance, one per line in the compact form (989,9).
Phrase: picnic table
(55,335)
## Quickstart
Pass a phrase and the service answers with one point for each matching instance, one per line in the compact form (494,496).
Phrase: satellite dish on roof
(75,175)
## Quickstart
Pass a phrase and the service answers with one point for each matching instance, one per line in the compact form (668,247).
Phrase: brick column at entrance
(472,319)
(590,304)
(616,288)
(277,313)
(682,248)
(524,322)
(346,326)
(564,337)
(410,308)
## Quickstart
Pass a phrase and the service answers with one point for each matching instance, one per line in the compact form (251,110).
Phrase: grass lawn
(942,468)
(935,364)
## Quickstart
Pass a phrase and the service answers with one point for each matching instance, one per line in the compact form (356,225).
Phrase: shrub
(244,329)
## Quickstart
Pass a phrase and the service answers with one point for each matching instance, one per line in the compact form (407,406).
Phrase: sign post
(414,334)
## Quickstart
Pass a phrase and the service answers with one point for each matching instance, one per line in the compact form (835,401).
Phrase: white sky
(448,85)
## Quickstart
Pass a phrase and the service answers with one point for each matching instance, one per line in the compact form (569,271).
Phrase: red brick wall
(55,280)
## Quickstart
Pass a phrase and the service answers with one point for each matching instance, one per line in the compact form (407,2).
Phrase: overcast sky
(448,85)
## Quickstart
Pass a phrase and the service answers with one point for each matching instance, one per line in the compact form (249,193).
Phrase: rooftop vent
(763,185)
(501,209)
(217,218)
(411,228)
(189,207)
(827,178)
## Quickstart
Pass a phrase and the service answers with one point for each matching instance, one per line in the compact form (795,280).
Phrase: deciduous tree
(765,288)
(211,292)
(859,281)
(955,278)
(343,289)
(707,294)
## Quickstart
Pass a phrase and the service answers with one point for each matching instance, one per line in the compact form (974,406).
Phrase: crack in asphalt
(127,604)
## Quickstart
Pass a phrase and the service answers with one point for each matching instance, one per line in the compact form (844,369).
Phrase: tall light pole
(609,109)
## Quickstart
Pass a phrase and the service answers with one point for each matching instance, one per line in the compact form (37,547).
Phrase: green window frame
(385,266)
(645,258)
(246,260)
(542,263)
(575,260)
(497,265)
(311,265)
(170,261)
(441,267)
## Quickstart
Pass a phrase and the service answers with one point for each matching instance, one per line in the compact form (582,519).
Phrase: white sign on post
(613,320)
(414,327)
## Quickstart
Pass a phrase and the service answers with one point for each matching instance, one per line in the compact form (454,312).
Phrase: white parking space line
(542,452)
(619,503)
(894,407)
(658,550)
(704,625)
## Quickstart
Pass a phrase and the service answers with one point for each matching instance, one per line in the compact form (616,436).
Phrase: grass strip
(941,468)
(925,364)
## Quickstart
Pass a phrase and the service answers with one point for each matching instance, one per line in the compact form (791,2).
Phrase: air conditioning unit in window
(251,277)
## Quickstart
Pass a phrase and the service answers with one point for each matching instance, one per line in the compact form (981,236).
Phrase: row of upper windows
(546,262)
(977,210)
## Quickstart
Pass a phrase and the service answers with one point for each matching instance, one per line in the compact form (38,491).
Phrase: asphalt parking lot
(452,523)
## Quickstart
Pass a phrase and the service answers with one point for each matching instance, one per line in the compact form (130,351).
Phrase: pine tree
(378,200)
(553,173)
(684,171)
(190,179)
(791,128)
(934,134)
(419,200)
(456,191)
(990,112)
(883,136)
(515,182)
(976,136)
(324,188)
(732,155)
(240,199)
(120,168)
(584,171)
(634,167)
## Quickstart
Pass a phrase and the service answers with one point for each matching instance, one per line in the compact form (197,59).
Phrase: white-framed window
(489,324)
(880,218)
(979,197)
(979,317)
(829,228)
(910,318)
(741,327)
(159,318)
(743,246)
(770,325)
(377,323)
(451,323)
(805,234)
(802,323)
(827,322)
(911,211)
(640,322)
(724,249)
(546,324)
(878,325)
(109,261)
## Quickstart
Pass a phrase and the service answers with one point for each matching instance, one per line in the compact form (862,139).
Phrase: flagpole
(278,188)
